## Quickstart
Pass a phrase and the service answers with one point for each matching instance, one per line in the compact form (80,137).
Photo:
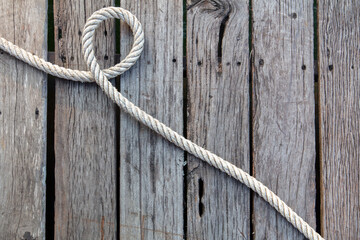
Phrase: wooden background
(271,86)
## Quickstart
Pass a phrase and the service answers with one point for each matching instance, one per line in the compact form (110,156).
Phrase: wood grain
(218,207)
(283,113)
(151,169)
(339,76)
(23,96)
(85,130)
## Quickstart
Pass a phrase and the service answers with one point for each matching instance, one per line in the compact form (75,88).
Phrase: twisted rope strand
(101,78)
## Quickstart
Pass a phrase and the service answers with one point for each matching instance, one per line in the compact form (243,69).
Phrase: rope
(101,78)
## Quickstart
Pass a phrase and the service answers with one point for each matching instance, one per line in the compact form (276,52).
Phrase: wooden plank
(339,76)
(151,169)
(23,92)
(218,207)
(85,129)
(283,113)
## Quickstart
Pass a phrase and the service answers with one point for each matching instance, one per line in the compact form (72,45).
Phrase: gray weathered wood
(283,113)
(218,207)
(151,169)
(339,76)
(22,123)
(85,147)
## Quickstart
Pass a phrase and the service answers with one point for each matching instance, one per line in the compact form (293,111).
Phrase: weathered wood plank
(283,113)
(85,146)
(218,207)
(151,169)
(339,76)
(23,94)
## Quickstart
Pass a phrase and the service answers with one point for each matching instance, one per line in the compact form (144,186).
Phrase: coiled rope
(101,77)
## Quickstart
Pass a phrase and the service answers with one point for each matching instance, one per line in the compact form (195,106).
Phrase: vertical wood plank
(218,207)
(22,123)
(339,75)
(85,154)
(284,118)
(151,169)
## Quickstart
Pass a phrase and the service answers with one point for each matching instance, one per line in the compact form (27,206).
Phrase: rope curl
(101,78)
(85,76)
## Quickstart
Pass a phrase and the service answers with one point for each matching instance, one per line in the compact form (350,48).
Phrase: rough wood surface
(283,113)
(151,169)
(339,75)
(85,144)
(218,207)
(23,94)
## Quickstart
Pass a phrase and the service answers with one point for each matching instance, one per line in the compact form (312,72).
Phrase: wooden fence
(272,86)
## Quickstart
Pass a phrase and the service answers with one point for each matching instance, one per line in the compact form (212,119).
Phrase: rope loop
(86,76)
(88,37)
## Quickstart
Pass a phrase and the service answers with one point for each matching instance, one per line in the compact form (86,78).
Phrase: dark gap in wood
(50,160)
(185,106)
(36,113)
(318,154)
(201,194)
(50,37)
(117,164)
(50,120)
(221,35)
(117,58)
(117,127)
(59,34)
(185,67)
(251,127)
(117,30)
(318,177)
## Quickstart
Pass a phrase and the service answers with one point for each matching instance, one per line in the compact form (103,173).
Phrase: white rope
(101,77)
